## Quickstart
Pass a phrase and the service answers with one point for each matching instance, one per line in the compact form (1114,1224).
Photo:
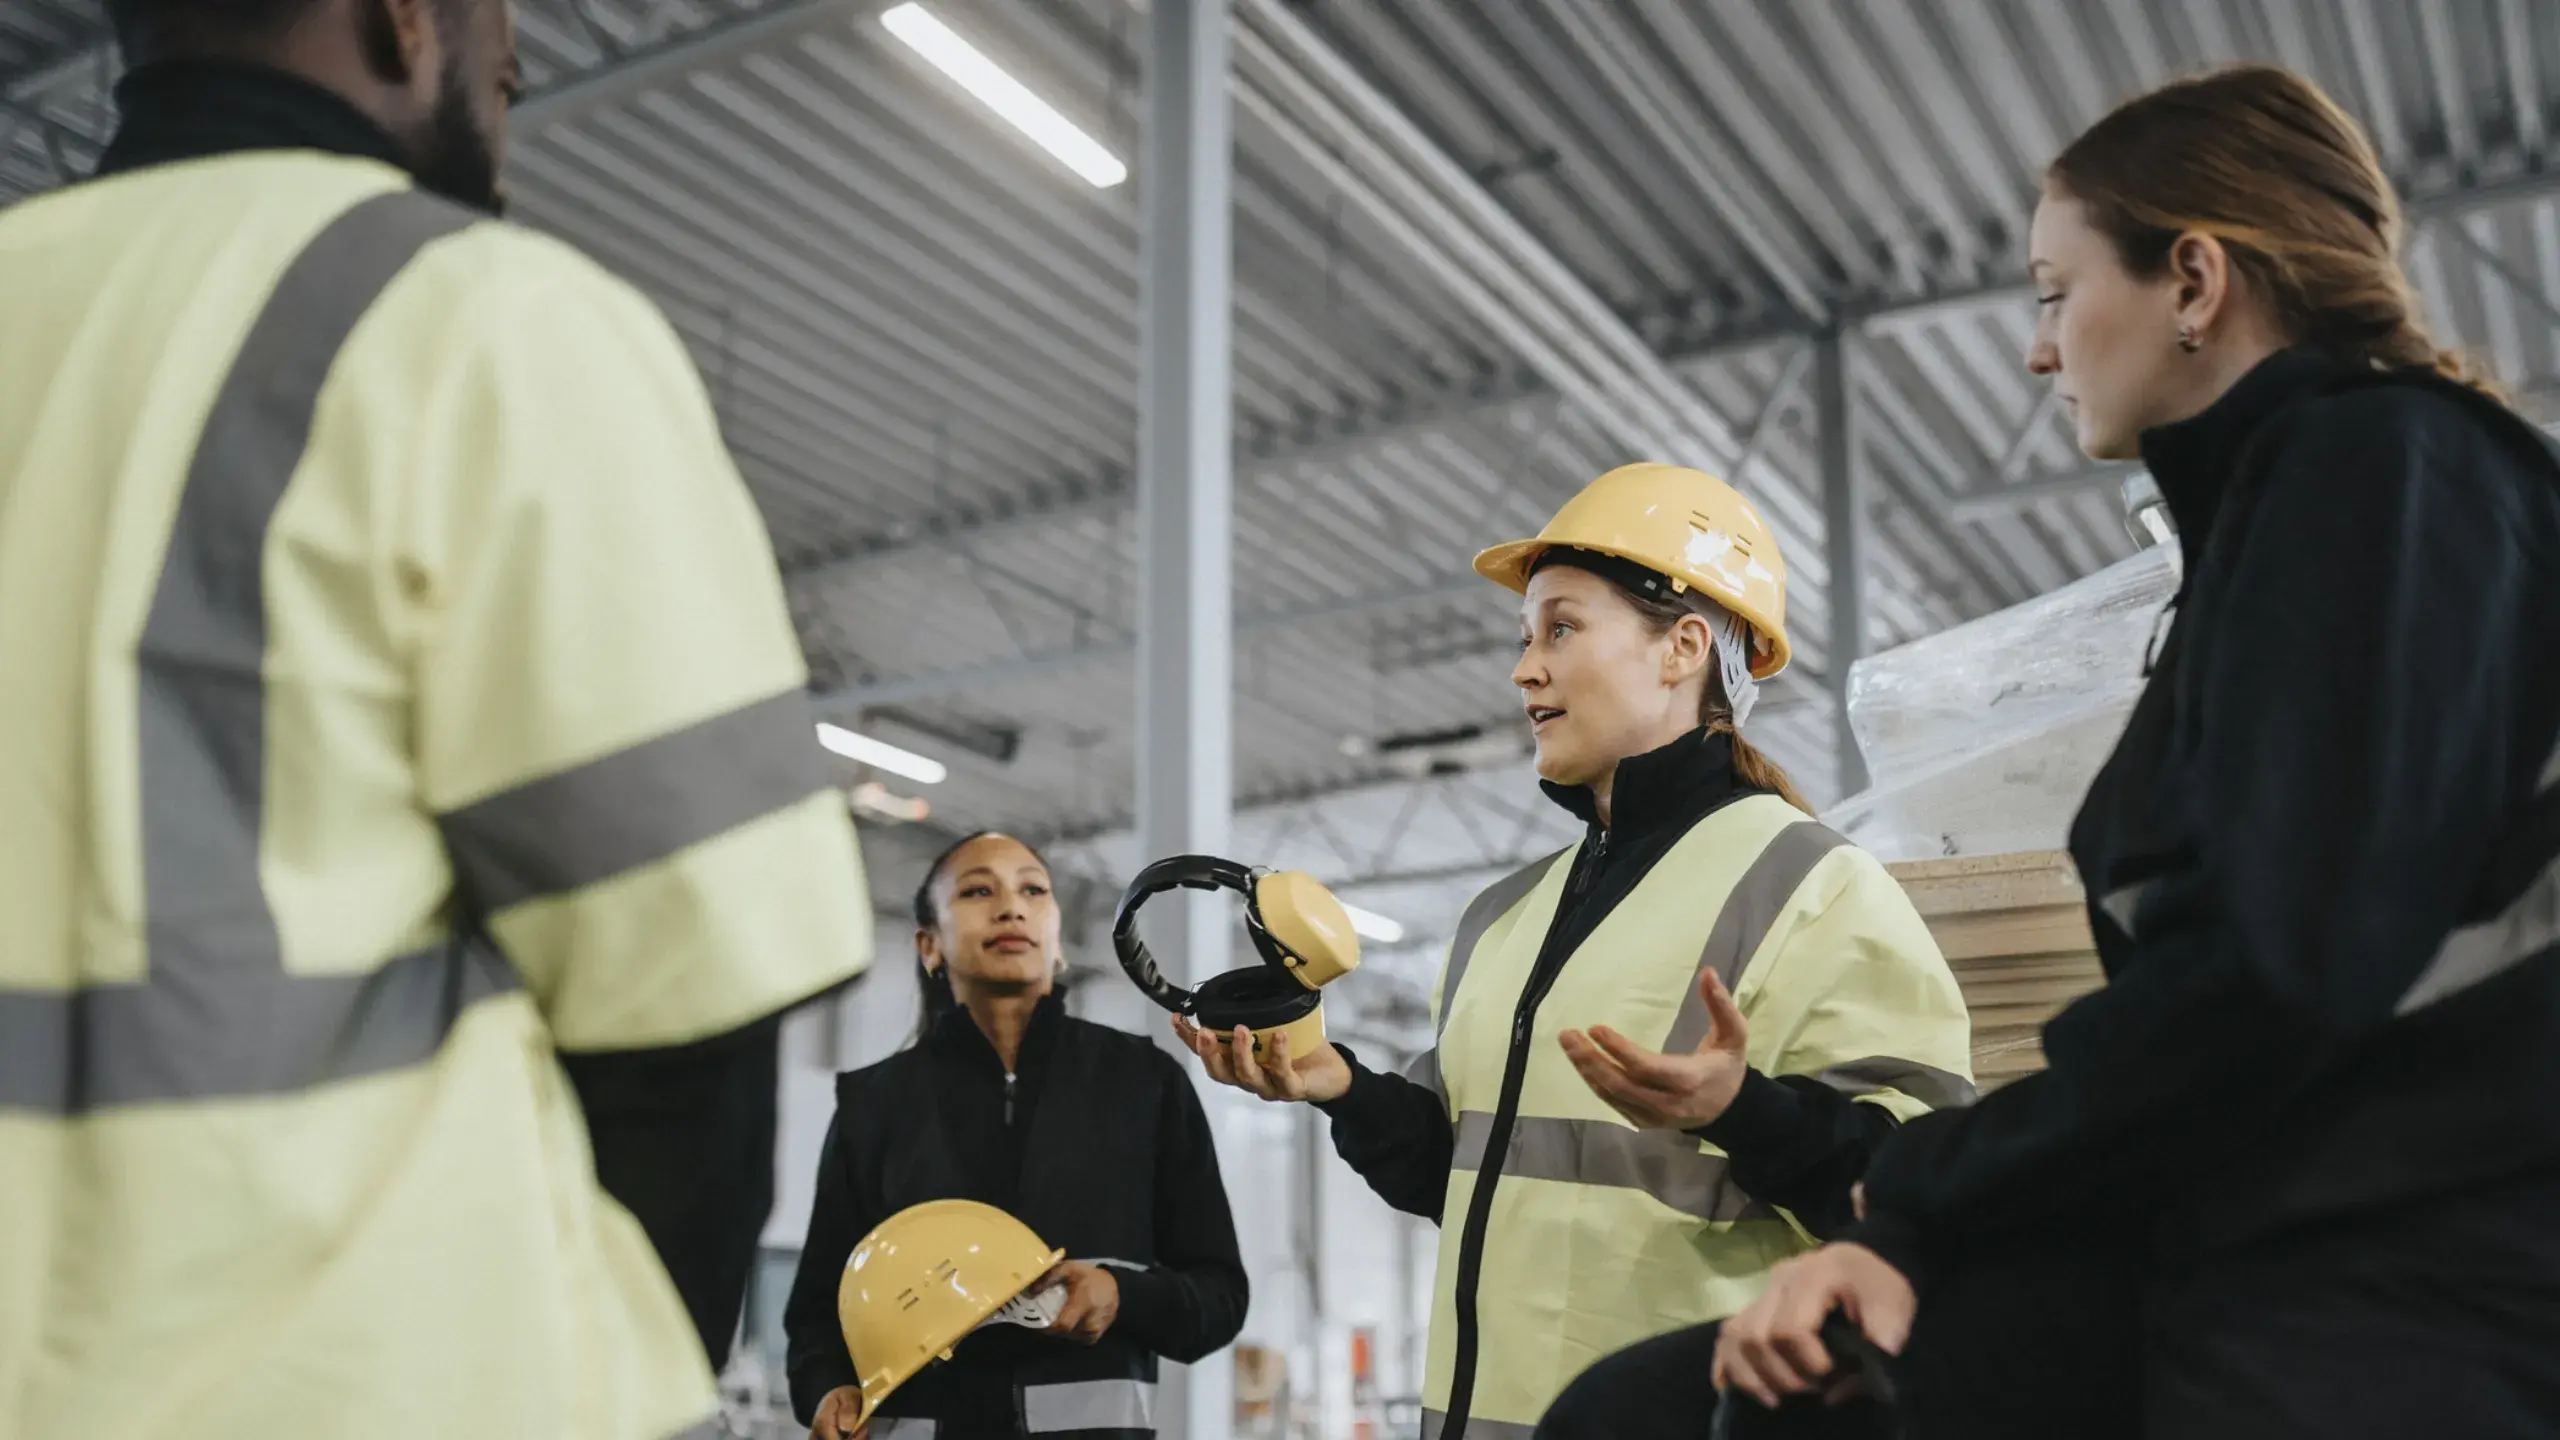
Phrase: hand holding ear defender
(1301,932)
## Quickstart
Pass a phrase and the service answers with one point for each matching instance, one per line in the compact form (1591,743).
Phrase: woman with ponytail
(1664,1054)
(2294,1170)
(1091,1136)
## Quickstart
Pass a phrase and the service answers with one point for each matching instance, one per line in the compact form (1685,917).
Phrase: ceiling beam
(1360,142)
(1110,496)
(2095,479)
(657,66)
(962,679)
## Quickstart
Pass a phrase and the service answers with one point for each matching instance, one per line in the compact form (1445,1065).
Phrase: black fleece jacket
(1794,1142)
(2342,769)
(1149,1159)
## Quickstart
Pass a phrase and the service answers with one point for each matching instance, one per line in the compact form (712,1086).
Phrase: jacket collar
(191,109)
(1670,786)
(957,1034)
(2192,459)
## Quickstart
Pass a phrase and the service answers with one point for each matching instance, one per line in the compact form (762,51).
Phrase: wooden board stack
(2015,928)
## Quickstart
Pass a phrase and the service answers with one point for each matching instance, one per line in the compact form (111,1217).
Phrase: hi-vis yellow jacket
(1600,1235)
(397,686)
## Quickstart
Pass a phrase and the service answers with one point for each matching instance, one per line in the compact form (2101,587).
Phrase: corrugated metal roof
(920,333)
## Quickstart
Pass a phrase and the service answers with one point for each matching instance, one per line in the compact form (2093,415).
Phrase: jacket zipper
(1506,1114)
(1008,1100)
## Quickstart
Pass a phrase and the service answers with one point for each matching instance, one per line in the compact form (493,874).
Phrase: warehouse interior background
(1126,549)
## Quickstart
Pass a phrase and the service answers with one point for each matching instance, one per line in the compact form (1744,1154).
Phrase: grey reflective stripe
(1089,1405)
(207,1030)
(1938,1089)
(2477,954)
(903,1427)
(1665,1164)
(2125,901)
(1425,1072)
(216,1013)
(1490,904)
(569,830)
(1116,1264)
(1434,1427)
(1748,914)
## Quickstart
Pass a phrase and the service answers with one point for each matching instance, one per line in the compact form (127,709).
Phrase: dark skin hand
(1093,1301)
(840,1416)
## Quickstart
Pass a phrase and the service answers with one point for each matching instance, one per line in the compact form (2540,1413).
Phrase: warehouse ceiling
(1483,251)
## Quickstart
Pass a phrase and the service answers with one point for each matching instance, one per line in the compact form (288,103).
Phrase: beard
(458,158)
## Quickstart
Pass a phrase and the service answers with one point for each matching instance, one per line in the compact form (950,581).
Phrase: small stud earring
(2187,340)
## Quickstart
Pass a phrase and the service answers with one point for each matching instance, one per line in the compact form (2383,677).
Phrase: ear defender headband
(1301,932)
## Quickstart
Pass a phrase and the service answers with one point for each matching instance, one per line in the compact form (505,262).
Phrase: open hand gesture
(1666,1092)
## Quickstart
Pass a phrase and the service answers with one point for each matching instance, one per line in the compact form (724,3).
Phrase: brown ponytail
(2262,160)
(1751,765)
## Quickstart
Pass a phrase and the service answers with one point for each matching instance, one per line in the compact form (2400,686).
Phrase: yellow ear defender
(1302,933)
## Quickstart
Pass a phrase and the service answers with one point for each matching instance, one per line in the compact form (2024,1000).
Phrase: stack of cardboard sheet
(2015,929)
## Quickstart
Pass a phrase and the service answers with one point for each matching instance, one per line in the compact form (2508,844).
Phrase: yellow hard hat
(926,1277)
(1678,522)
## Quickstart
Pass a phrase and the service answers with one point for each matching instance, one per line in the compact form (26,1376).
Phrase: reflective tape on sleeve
(1938,1089)
(638,805)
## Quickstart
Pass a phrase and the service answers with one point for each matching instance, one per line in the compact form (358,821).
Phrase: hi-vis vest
(1601,1235)
(394,685)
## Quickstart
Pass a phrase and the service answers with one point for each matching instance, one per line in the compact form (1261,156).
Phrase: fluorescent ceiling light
(1374,925)
(881,755)
(1013,102)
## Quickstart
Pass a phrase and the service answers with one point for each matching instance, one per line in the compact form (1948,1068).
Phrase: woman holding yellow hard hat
(1664,1054)
(1078,1136)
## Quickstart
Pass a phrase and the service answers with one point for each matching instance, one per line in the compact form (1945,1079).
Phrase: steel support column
(1844,527)
(1185,456)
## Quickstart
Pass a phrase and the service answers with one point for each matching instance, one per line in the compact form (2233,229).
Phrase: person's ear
(2201,265)
(1692,646)
(402,41)
(929,950)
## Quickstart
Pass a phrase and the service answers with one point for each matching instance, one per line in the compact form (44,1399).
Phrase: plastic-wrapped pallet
(1982,739)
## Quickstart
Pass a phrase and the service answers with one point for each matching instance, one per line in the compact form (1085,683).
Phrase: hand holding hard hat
(840,1417)
(1656,1091)
(1088,1300)
(919,1283)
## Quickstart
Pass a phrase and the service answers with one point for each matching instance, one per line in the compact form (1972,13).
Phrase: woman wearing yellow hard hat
(1079,1137)
(1664,1054)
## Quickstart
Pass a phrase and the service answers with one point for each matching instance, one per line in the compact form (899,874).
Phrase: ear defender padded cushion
(1258,997)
